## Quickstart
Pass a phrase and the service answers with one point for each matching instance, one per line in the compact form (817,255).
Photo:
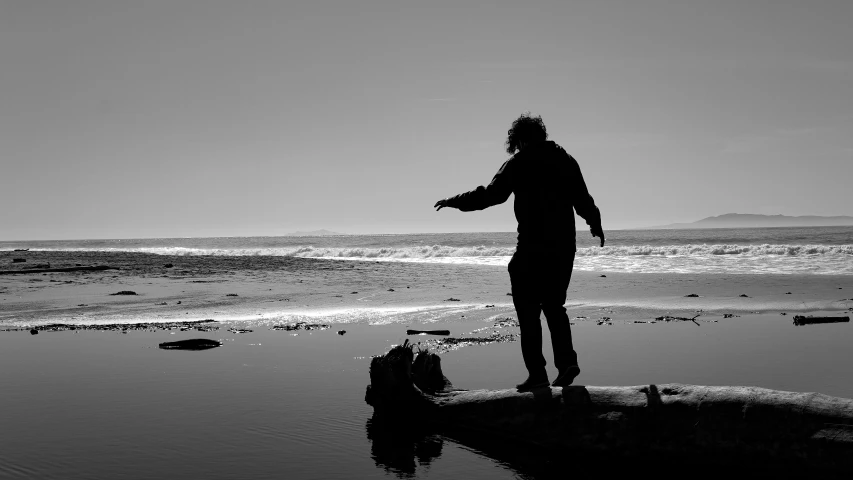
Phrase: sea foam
(690,258)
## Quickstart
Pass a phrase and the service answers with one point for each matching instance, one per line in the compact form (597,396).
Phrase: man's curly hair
(525,129)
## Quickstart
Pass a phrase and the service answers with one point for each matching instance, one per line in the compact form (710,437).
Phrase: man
(547,183)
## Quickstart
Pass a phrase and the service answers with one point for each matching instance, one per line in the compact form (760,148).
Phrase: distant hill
(748,220)
(313,233)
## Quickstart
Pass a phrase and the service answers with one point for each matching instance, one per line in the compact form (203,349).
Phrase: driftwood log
(693,424)
(810,320)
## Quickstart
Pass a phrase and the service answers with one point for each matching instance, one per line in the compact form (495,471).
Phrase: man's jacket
(547,183)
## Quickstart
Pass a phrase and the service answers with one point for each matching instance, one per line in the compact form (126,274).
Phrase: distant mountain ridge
(749,220)
(313,233)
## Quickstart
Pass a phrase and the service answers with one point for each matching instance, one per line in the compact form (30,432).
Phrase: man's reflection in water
(400,449)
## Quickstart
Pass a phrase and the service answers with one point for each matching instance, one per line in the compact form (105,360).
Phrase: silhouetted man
(547,183)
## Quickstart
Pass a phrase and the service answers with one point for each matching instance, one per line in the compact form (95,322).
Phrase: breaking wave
(697,258)
(423,252)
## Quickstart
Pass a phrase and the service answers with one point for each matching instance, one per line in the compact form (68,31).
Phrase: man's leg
(527,307)
(558,277)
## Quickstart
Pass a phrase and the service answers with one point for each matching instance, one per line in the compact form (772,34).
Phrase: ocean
(813,250)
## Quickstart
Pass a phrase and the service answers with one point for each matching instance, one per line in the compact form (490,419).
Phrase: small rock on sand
(232,295)
(34,332)
(124,292)
(743,295)
(692,295)
(342,332)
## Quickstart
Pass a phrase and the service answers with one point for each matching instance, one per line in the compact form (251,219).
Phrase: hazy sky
(200,118)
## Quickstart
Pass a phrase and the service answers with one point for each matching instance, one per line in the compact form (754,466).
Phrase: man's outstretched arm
(584,204)
(482,197)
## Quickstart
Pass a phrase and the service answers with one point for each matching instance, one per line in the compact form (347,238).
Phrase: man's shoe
(532,383)
(567,376)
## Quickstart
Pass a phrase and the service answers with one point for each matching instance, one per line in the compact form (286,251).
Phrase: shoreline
(282,289)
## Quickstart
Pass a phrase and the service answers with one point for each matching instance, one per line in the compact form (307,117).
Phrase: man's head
(525,129)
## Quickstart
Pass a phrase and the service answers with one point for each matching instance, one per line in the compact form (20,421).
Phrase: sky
(188,118)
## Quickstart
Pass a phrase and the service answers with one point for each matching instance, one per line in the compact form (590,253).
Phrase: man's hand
(598,232)
(440,204)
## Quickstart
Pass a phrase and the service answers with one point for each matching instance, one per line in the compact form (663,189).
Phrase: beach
(88,392)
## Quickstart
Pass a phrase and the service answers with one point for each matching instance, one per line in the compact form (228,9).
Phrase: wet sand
(276,289)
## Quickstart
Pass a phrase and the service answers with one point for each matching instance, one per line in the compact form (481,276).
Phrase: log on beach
(64,269)
(191,344)
(720,425)
(803,320)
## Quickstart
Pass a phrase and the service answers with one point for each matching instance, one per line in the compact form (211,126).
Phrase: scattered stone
(692,295)
(352,293)
(506,322)
(179,302)
(239,330)
(168,265)
(509,294)
(82,305)
(490,306)
(390,289)
(301,326)
(603,276)
(728,315)
(451,299)
(232,295)
(162,303)
(342,332)
(124,292)
(427,332)
(743,295)
(787,293)
(34,332)
(193,344)
(783,313)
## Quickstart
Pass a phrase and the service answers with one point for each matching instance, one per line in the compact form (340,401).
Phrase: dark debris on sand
(495,335)
(444,345)
(301,326)
(124,292)
(198,325)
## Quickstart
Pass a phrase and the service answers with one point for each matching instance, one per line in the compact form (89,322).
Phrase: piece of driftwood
(720,425)
(64,269)
(428,332)
(192,344)
(803,320)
